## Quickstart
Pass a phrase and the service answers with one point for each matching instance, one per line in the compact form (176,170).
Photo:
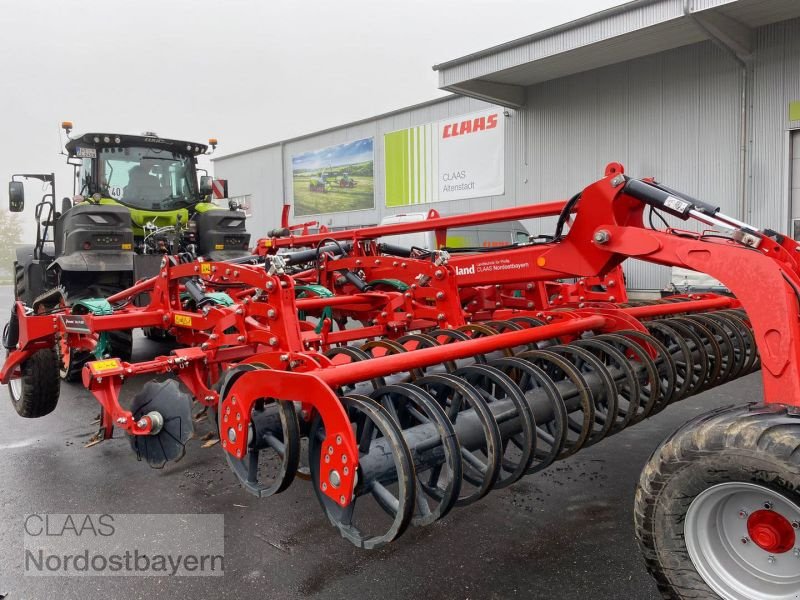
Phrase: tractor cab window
(147,178)
(86,177)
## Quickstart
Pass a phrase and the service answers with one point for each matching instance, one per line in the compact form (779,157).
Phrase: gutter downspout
(745,101)
(284,211)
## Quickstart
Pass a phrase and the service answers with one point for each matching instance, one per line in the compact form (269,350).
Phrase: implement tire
(718,506)
(35,393)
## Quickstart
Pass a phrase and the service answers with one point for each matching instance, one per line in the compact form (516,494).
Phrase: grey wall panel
(776,82)
(673,116)
(256,174)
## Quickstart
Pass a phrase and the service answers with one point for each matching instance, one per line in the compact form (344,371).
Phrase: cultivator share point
(423,380)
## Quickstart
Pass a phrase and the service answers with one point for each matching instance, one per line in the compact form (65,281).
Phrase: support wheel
(35,392)
(718,507)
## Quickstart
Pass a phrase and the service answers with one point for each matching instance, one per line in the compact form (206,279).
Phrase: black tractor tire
(35,393)
(20,289)
(121,342)
(23,258)
(747,445)
(157,334)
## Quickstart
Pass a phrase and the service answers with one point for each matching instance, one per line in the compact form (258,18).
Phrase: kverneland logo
(465,270)
(470,126)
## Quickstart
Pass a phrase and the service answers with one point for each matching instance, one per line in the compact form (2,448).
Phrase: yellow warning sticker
(183,320)
(102,366)
(205,269)
(219,246)
(127,246)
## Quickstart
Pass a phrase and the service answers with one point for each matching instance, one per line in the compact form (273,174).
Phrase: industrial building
(704,95)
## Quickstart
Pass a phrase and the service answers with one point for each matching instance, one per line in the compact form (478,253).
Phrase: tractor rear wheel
(718,506)
(35,392)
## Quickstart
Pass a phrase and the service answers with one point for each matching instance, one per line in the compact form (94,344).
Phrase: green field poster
(334,179)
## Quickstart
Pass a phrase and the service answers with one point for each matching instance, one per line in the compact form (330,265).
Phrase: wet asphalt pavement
(564,533)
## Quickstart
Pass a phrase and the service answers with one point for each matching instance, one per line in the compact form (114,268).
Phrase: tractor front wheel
(35,392)
(718,506)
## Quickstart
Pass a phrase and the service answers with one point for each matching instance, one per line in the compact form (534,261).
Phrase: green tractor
(346,181)
(321,183)
(136,198)
(328,179)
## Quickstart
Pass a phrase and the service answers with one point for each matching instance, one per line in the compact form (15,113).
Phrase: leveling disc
(171,431)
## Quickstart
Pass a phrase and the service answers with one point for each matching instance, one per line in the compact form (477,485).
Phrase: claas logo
(469,126)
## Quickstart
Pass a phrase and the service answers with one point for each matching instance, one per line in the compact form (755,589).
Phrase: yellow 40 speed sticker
(205,269)
(183,320)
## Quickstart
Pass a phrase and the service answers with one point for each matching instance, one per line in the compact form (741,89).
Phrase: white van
(489,235)
(685,281)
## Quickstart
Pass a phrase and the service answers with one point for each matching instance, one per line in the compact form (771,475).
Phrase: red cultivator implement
(422,380)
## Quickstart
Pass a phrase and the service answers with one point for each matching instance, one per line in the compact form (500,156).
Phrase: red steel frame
(262,325)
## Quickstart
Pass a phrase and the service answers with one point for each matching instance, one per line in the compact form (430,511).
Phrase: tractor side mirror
(16,196)
(206,185)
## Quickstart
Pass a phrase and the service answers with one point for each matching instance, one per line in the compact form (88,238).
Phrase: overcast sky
(248,72)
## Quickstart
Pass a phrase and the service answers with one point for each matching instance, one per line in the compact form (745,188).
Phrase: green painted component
(96,306)
(320,291)
(103,346)
(202,207)
(160,218)
(220,298)
(794,110)
(395,283)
